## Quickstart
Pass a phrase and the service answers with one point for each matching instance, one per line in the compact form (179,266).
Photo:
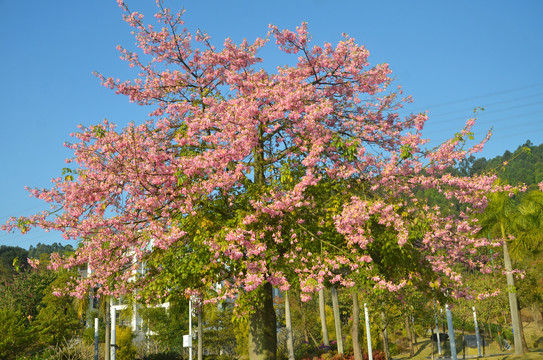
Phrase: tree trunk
(523,338)
(432,335)
(322,309)
(535,315)
(107,344)
(200,332)
(262,325)
(290,339)
(384,334)
(513,303)
(337,320)
(409,336)
(413,332)
(355,328)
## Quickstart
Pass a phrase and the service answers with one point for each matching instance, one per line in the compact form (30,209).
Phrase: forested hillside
(524,165)
(14,258)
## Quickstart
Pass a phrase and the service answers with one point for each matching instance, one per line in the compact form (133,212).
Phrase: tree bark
(355,328)
(513,303)
(107,319)
(409,336)
(337,320)
(384,334)
(535,315)
(432,335)
(200,332)
(523,338)
(413,332)
(290,339)
(322,309)
(262,325)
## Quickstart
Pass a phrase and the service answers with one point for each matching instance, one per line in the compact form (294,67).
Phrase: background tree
(25,292)
(12,260)
(16,334)
(498,220)
(57,320)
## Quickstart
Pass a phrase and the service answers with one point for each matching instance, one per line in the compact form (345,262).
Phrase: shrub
(170,355)
(125,348)
(377,355)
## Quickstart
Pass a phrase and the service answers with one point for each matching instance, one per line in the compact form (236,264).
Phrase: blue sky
(451,56)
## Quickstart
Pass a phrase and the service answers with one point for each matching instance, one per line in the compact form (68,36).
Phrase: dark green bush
(170,355)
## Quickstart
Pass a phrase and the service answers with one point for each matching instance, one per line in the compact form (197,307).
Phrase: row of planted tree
(36,324)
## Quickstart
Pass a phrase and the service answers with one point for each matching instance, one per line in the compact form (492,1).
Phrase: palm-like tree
(529,225)
(499,219)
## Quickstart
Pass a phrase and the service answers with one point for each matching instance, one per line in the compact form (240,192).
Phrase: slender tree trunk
(304,323)
(107,319)
(535,315)
(355,328)
(200,332)
(513,303)
(524,344)
(413,332)
(409,336)
(322,309)
(337,320)
(384,334)
(262,325)
(290,339)
(431,341)
(463,339)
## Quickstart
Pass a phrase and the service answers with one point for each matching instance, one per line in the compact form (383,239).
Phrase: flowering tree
(252,179)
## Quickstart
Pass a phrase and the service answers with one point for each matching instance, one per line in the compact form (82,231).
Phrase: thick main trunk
(513,303)
(322,310)
(288,321)
(355,328)
(337,320)
(262,325)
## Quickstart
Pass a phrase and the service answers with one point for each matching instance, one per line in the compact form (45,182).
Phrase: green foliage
(25,292)
(167,326)
(524,165)
(88,334)
(219,331)
(57,320)
(39,249)
(12,260)
(125,347)
(15,334)
(170,355)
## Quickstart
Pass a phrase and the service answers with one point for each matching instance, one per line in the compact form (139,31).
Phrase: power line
(485,95)
(484,113)
(491,104)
